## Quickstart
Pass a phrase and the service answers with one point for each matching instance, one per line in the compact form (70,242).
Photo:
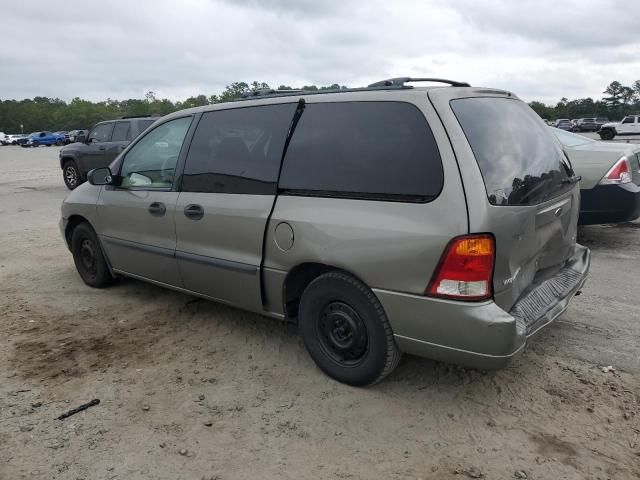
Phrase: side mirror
(81,139)
(100,176)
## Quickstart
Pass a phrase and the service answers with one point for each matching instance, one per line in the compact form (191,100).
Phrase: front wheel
(36,144)
(88,257)
(345,330)
(71,175)
(606,134)
(59,143)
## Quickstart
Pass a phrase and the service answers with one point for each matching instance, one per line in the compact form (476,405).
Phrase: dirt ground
(190,389)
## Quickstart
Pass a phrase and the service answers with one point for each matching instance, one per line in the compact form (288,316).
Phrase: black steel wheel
(345,330)
(607,134)
(342,334)
(88,257)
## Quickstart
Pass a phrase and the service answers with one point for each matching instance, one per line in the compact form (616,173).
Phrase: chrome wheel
(71,176)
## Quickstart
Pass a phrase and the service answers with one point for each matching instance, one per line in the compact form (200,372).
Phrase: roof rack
(400,81)
(260,92)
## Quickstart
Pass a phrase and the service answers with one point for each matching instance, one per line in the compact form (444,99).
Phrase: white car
(3,139)
(12,139)
(630,125)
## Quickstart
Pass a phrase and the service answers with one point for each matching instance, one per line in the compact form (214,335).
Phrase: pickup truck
(629,125)
(44,138)
(99,148)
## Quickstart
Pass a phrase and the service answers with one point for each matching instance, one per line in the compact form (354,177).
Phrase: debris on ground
(79,409)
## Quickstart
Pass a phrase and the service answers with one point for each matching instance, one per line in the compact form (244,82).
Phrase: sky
(541,50)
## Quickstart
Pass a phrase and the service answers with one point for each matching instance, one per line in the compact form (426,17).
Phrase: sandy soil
(190,389)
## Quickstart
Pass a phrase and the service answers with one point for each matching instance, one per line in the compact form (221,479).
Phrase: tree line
(42,113)
(619,100)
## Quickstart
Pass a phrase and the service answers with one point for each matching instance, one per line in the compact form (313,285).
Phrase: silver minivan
(436,221)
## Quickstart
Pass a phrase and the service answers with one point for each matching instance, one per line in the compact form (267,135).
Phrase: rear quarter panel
(388,245)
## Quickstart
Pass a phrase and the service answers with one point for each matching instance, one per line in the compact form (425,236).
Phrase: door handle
(157,209)
(194,212)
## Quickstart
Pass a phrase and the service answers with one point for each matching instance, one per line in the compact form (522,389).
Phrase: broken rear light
(618,174)
(465,271)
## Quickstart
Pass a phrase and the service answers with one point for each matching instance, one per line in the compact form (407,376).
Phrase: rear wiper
(572,180)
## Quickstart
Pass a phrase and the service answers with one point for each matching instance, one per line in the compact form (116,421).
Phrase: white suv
(630,125)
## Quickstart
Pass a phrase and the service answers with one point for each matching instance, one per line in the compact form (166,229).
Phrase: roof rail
(260,92)
(400,81)
(140,116)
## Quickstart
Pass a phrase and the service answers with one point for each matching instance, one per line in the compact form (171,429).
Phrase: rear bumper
(482,335)
(609,204)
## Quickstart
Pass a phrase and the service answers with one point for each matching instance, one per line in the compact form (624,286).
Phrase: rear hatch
(519,185)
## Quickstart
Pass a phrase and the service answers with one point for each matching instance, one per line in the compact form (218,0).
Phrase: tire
(345,330)
(88,257)
(36,144)
(607,134)
(71,175)
(48,144)
(59,143)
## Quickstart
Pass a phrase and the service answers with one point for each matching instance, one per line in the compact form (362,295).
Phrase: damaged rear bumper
(482,335)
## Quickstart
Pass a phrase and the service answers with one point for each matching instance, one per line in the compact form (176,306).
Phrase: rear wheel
(606,134)
(88,257)
(71,175)
(345,330)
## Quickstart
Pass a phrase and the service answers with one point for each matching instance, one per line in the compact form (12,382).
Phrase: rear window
(372,150)
(520,161)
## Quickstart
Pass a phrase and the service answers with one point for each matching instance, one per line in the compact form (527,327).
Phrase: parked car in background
(75,133)
(436,221)
(98,149)
(564,124)
(585,125)
(610,178)
(600,121)
(65,135)
(13,139)
(44,138)
(3,139)
(22,141)
(629,125)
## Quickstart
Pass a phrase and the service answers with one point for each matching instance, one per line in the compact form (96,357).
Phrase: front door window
(151,162)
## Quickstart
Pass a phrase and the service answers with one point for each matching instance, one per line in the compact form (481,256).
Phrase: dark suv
(104,142)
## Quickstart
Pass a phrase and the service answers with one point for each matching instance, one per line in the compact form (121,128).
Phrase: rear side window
(520,161)
(238,150)
(120,132)
(373,150)
(144,124)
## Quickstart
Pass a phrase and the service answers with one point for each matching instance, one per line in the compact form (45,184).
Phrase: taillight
(618,174)
(465,271)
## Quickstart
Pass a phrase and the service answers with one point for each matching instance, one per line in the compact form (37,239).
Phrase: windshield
(569,139)
(520,161)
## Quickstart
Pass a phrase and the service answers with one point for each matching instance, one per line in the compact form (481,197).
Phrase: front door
(120,138)
(137,217)
(227,193)
(96,145)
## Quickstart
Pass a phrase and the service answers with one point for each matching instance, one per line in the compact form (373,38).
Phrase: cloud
(541,50)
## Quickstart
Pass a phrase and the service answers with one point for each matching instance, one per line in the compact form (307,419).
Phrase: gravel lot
(190,389)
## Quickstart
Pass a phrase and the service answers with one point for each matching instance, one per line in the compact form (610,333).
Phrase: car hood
(611,124)
(594,159)
(73,147)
